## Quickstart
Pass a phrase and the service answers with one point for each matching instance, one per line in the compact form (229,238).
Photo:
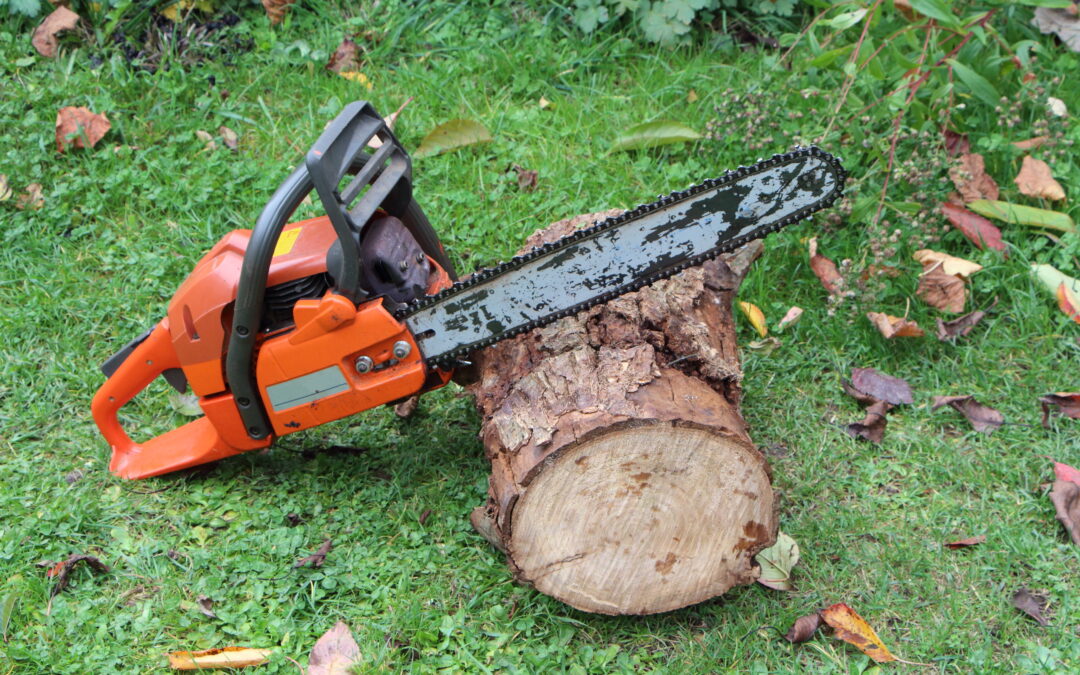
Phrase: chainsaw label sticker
(307,388)
(286,241)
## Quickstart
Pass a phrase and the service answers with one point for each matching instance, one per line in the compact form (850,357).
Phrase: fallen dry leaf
(950,264)
(894,326)
(971,180)
(804,628)
(32,199)
(318,558)
(390,120)
(1036,180)
(824,269)
(358,77)
(1060,22)
(1069,302)
(1067,404)
(544,103)
(1056,105)
(881,387)
(956,144)
(206,138)
(984,419)
(776,563)
(345,58)
(755,316)
(1066,472)
(1031,604)
(872,427)
(965,543)
(406,408)
(62,570)
(223,657)
(979,231)
(276,10)
(77,127)
(206,604)
(526,179)
(853,629)
(335,653)
(1031,143)
(229,137)
(1065,496)
(947,330)
(941,290)
(790,318)
(44,39)
(691,96)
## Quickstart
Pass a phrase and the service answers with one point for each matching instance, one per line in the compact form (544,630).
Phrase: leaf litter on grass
(776,563)
(983,418)
(879,393)
(848,626)
(1036,180)
(335,653)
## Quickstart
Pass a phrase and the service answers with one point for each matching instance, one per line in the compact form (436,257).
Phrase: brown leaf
(965,543)
(276,10)
(318,558)
(526,179)
(1066,472)
(406,408)
(206,604)
(804,628)
(942,291)
(1036,180)
(1065,496)
(1067,404)
(979,231)
(62,570)
(44,39)
(205,137)
(947,330)
(1031,143)
(824,269)
(79,128)
(872,427)
(229,137)
(32,199)
(984,419)
(1031,604)
(881,387)
(853,629)
(346,58)
(970,178)
(5,188)
(223,657)
(949,263)
(335,653)
(1062,23)
(956,144)
(894,326)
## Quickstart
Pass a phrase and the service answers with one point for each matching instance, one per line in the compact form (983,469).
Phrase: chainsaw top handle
(386,174)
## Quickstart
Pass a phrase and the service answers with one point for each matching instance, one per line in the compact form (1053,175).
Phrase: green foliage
(669,22)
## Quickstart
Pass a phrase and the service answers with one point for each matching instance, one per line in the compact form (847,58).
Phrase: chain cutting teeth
(447,360)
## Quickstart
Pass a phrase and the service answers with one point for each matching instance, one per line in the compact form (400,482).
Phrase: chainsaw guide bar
(622,254)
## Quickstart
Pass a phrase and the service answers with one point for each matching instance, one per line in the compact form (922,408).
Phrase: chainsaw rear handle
(338,151)
(193,443)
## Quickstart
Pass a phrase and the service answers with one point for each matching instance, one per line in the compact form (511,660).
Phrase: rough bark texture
(623,479)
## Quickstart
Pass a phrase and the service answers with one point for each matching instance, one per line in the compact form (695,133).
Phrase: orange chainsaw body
(327,336)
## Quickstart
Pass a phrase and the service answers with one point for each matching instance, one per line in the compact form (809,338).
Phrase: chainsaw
(294,324)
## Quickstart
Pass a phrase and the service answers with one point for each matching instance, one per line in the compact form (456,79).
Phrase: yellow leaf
(355,76)
(894,326)
(755,316)
(692,96)
(949,264)
(544,103)
(5,189)
(224,657)
(853,629)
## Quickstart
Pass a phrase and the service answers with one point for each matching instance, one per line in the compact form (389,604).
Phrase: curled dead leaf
(955,143)
(790,318)
(1031,143)
(1031,604)
(894,326)
(1036,180)
(950,264)
(1065,403)
(229,137)
(206,138)
(1068,301)
(223,657)
(1065,496)
(879,387)
(804,628)
(824,269)
(316,559)
(984,419)
(979,231)
(948,330)
(971,180)
(62,570)
(853,629)
(1066,472)
(44,39)
(345,58)
(941,290)
(276,10)
(77,127)
(965,543)
(526,178)
(335,653)
(5,188)
(406,408)
(390,120)
(872,427)
(206,605)
(776,563)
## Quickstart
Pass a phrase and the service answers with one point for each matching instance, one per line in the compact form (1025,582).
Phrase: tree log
(623,480)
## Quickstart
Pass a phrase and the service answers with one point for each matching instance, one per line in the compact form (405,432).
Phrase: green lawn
(124,223)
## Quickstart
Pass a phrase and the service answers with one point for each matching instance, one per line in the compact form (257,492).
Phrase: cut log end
(648,518)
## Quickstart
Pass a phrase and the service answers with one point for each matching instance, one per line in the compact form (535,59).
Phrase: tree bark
(623,480)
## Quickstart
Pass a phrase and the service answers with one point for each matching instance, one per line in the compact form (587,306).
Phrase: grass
(123,224)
